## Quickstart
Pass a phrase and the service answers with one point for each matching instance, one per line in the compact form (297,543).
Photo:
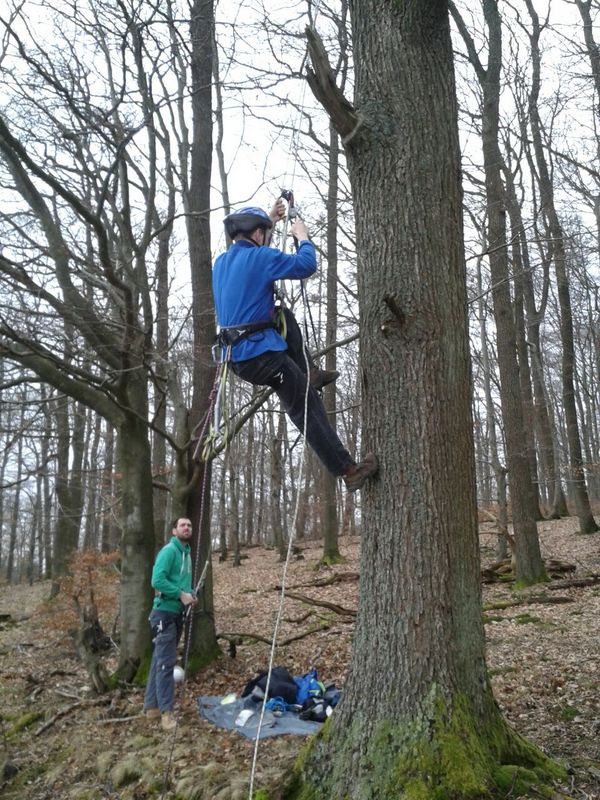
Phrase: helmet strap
(250,237)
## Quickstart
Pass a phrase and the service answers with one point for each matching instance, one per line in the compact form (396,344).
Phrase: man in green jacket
(172,584)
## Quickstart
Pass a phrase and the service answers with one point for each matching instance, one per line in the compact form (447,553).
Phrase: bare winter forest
(446,158)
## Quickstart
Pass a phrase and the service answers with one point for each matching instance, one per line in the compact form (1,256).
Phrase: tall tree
(83,163)
(197,206)
(529,567)
(555,233)
(331,553)
(435,730)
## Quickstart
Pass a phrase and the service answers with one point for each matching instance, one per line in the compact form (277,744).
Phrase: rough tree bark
(197,204)
(434,729)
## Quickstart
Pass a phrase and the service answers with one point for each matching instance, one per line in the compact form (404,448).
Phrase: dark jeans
(166,631)
(285,372)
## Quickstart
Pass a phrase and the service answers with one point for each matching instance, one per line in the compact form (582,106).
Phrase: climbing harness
(230,335)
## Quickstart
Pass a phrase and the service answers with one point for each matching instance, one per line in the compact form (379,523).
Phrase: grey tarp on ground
(225,716)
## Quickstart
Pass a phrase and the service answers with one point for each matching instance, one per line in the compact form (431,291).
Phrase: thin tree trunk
(159,444)
(109,531)
(276,436)
(68,518)
(331,551)
(12,567)
(36,524)
(516,230)
(223,509)
(234,512)
(249,485)
(555,233)
(529,567)
(46,533)
(90,535)
(497,466)
(260,517)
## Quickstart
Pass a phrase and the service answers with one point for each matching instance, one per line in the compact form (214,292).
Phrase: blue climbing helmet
(246,220)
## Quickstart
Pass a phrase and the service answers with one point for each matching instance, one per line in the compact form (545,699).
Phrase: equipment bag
(281,685)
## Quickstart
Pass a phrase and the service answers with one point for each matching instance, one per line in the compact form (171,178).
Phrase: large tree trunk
(197,201)
(137,542)
(433,729)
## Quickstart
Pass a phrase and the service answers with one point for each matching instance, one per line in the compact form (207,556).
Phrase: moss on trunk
(441,754)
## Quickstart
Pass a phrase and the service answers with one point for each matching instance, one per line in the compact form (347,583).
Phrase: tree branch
(322,83)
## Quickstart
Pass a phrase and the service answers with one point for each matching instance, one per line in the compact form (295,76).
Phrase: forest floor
(60,742)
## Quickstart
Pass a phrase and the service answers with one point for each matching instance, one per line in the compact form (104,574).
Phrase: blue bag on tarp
(309,686)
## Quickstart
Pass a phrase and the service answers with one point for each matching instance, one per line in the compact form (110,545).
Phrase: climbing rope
(218,433)
(295,135)
(207,441)
(283,583)
(188,618)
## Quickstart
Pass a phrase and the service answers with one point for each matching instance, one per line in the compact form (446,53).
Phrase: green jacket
(172,574)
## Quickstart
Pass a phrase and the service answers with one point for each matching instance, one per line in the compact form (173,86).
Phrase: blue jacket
(243,279)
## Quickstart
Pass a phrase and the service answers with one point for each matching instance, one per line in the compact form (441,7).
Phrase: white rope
(188,613)
(283,579)
(294,144)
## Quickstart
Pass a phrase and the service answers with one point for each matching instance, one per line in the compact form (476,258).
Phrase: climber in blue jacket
(243,289)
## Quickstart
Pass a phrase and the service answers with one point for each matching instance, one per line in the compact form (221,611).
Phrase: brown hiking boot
(152,714)
(358,474)
(321,377)
(168,721)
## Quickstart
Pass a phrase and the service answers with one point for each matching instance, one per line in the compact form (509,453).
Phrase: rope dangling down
(219,433)
(283,582)
(203,425)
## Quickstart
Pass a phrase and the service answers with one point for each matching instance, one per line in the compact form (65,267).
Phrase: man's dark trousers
(285,372)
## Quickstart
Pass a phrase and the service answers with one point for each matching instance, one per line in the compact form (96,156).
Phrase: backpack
(281,685)
(308,687)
